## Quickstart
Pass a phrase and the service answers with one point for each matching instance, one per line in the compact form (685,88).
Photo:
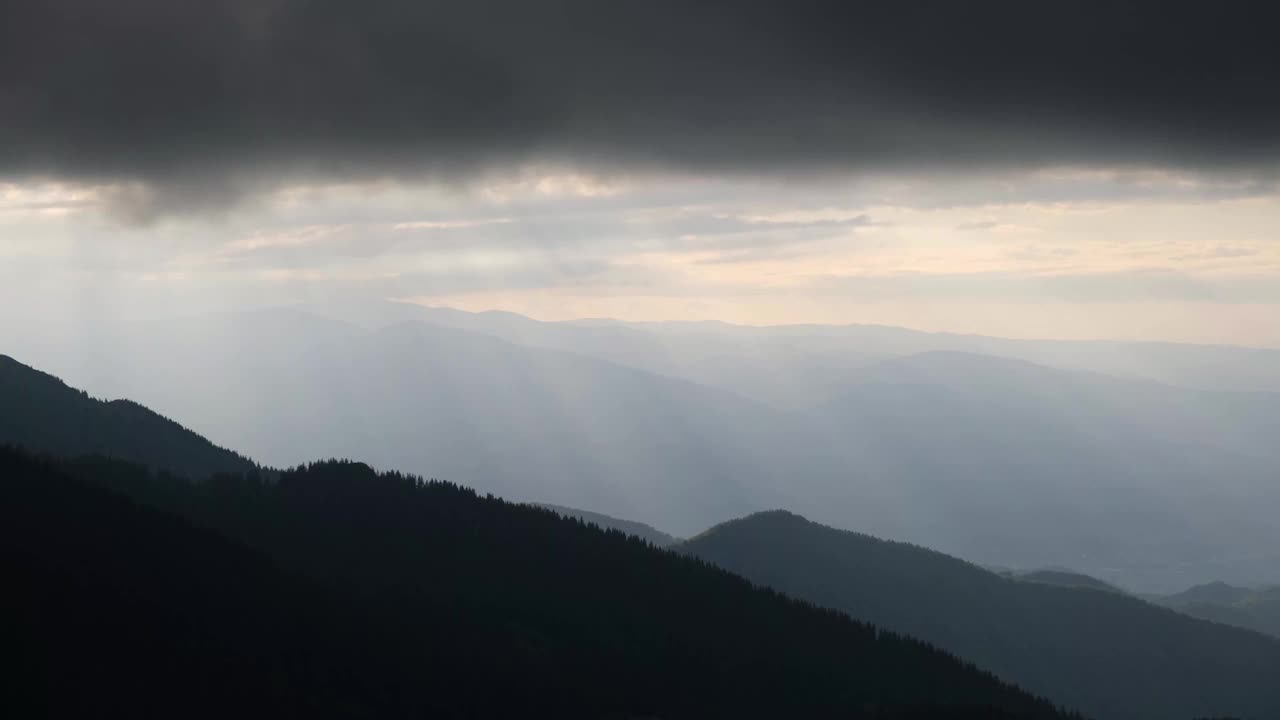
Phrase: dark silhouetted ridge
(40,412)
(335,590)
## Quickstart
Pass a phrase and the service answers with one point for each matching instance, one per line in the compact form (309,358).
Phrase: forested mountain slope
(39,411)
(1110,655)
(380,595)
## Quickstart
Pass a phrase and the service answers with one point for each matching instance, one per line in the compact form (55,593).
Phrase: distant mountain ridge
(682,426)
(991,457)
(649,534)
(1212,367)
(1110,655)
(1064,578)
(237,501)
(1252,608)
(232,504)
(1214,593)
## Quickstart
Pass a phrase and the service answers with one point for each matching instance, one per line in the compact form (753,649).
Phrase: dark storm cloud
(197,99)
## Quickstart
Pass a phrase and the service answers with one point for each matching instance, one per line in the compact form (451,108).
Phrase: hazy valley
(993,458)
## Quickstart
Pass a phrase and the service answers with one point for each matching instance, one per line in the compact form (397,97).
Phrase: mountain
(39,411)
(1207,367)
(365,594)
(774,371)
(649,534)
(1110,655)
(1065,578)
(525,423)
(1254,609)
(961,443)
(792,364)
(997,460)
(1009,463)
(1214,593)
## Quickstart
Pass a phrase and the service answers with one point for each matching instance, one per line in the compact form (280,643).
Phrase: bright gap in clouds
(1071,253)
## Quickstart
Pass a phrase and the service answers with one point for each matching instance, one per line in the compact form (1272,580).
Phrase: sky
(1064,170)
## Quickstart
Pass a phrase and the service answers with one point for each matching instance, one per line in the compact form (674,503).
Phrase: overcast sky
(1053,169)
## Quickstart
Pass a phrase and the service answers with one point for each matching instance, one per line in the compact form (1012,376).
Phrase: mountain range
(333,590)
(910,436)
(1100,651)
(409,546)
(1253,608)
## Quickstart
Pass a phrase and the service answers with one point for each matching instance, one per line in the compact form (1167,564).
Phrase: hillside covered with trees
(39,411)
(1102,652)
(335,590)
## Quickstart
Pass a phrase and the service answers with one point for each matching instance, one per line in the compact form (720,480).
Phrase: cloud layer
(194,100)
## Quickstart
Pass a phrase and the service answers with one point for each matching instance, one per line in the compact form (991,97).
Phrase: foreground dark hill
(113,610)
(380,595)
(1110,655)
(39,411)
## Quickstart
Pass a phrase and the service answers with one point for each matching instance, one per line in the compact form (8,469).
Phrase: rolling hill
(528,424)
(1110,655)
(1253,608)
(648,533)
(997,460)
(793,365)
(39,411)
(343,523)
(1008,463)
(363,594)
(1064,578)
